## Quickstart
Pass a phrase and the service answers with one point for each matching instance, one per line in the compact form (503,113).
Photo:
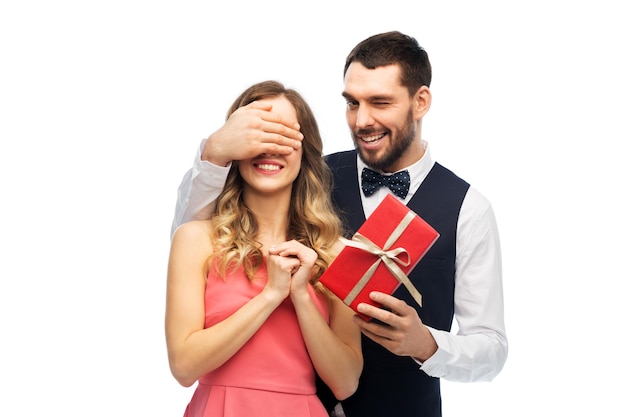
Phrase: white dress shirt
(478,350)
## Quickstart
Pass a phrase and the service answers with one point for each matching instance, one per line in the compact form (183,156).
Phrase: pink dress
(272,374)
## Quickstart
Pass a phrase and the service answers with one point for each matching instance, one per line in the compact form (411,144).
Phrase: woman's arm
(193,350)
(334,348)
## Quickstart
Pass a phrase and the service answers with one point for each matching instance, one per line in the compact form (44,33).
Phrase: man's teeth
(371,138)
(269,167)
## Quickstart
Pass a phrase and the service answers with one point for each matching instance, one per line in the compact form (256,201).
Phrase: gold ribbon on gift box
(386,256)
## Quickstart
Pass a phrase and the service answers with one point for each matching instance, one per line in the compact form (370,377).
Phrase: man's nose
(364,117)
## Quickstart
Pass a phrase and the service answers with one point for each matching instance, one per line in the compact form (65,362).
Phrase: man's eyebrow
(379,97)
(382,97)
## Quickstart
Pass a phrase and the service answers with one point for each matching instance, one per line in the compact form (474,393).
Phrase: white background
(103,105)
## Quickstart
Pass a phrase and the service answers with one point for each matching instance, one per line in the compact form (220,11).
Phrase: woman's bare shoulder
(195,230)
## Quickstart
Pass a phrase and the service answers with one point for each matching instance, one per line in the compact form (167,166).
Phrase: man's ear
(421,102)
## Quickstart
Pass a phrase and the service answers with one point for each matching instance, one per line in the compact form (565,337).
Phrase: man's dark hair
(394,48)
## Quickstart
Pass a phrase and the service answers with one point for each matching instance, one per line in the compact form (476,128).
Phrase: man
(407,348)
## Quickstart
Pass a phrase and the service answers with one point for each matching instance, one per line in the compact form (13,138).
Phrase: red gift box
(380,255)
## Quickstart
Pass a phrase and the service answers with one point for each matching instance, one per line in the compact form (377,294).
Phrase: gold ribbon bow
(388,257)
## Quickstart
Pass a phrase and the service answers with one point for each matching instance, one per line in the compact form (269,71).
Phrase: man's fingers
(277,130)
(374,330)
(274,123)
(390,302)
(275,149)
(376,313)
(261,105)
(281,133)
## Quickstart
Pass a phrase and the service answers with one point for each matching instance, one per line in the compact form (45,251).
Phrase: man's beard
(396,148)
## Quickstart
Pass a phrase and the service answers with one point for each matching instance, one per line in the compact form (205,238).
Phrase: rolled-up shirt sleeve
(198,190)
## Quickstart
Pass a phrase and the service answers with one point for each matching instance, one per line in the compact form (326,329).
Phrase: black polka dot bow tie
(398,183)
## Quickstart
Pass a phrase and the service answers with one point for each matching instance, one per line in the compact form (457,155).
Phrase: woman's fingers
(295,249)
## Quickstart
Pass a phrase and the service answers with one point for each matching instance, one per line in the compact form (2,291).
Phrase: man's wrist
(211,154)
(428,349)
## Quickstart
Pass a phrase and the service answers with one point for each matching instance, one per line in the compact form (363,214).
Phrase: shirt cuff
(211,174)
(435,365)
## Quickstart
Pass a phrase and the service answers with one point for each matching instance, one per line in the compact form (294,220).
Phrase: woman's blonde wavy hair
(312,218)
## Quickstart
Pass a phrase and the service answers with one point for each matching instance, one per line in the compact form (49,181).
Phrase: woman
(245,315)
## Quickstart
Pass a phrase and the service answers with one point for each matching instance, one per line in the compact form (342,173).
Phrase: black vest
(393,385)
